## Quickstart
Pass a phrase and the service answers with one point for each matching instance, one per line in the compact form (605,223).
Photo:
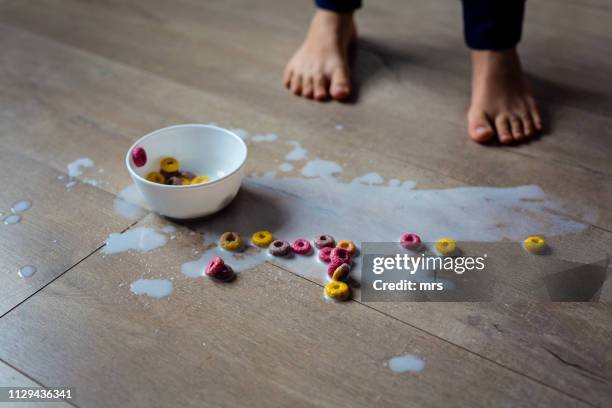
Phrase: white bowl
(202,149)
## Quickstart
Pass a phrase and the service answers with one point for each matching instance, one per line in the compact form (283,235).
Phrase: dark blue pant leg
(492,24)
(339,6)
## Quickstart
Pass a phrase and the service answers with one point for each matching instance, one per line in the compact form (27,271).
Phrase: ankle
(330,19)
(504,61)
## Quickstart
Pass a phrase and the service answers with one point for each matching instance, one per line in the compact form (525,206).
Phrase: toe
(517,128)
(502,126)
(287,76)
(528,127)
(479,128)
(308,88)
(320,88)
(340,84)
(296,84)
(536,117)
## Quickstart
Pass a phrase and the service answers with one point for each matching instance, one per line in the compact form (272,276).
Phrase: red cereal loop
(139,156)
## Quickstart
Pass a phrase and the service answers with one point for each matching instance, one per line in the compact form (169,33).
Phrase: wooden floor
(87,78)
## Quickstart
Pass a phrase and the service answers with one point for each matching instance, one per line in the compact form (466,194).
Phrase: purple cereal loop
(325,254)
(227,274)
(301,246)
(323,241)
(279,248)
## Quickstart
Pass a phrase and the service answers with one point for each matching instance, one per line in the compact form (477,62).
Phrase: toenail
(481,130)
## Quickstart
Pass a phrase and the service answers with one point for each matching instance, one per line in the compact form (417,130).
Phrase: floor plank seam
(34,380)
(62,274)
(452,344)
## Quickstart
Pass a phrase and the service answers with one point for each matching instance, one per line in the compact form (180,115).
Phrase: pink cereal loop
(410,241)
(215,266)
(301,246)
(325,254)
(341,254)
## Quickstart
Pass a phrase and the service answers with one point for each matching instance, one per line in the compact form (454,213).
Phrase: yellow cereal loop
(337,290)
(348,245)
(169,164)
(262,238)
(200,179)
(156,177)
(185,180)
(446,246)
(341,272)
(230,241)
(534,244)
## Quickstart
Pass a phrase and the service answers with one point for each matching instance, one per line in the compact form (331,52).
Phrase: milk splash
(156,288)
(406,363)
(141,239)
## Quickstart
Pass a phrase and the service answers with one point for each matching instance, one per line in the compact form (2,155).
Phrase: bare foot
(502,106)
(319,68)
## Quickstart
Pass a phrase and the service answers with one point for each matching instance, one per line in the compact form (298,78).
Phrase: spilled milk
(26,271)
(156,288)
(406,363)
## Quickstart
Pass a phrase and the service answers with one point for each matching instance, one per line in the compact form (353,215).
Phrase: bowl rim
(128,162)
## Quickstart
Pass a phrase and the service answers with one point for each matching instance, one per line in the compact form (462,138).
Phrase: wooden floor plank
(268,339)
(61,228)
(9,377)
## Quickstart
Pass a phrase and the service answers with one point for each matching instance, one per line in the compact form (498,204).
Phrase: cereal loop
(446,246)
(341,254)
(410,241)
(225,275)
(534,244)
(301,246)
(169,164)
(230,241)
(262,238)
(337,290)
(139,156)
(174,181)
(279,248)
(156,177)
(325,254)
(341,272)
(333,265)
(348,245)
(200,180)
(323,241)
(215,266)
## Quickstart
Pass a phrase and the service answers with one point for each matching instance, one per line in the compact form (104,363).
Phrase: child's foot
(319,68)
(502,106)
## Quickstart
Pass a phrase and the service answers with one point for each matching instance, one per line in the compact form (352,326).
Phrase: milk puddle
(141,239)
(17,209)
(26,271)
(406,363)
(369,208)
(156,288)
(130,204)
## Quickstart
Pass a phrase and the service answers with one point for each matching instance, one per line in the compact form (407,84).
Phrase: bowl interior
(202,149)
